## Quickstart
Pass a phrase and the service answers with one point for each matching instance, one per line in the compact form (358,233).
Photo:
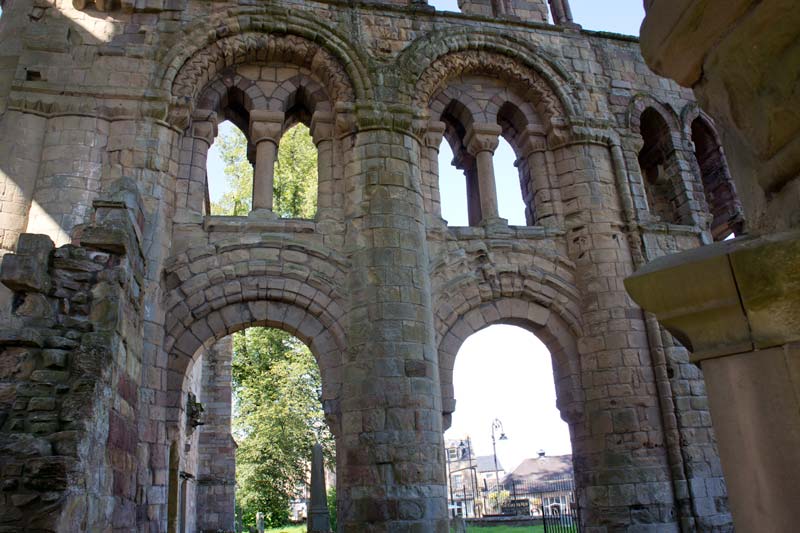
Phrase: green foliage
(296,175)
(238,175)
(332,507)
(496,501)
(295,182)
(278,418)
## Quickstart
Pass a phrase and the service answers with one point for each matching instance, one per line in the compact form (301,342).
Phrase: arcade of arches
(119,280)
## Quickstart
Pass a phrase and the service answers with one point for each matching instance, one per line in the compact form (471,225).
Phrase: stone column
(389,447)
(737,308)
(430,174)
(544,198)
(623,476)
(481,141)
(70,173)
(322,135)
(265,133)
(192,178)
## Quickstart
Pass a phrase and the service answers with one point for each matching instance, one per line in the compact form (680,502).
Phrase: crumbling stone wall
(71,370)
(110,109)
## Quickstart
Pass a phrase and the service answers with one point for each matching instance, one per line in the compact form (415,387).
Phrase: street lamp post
(497,426)
(449,479)
(474,477)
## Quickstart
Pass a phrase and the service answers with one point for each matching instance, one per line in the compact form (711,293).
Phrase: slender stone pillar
(322,135)
(557,10)
(562,13)
(737,307)
(430,174)
(481,141)
(193,171)
(544,198)
(265,131)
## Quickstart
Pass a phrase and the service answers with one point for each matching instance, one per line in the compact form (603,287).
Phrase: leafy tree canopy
(278,418)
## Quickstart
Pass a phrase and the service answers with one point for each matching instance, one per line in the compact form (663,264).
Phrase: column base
(262,212)
(494,222)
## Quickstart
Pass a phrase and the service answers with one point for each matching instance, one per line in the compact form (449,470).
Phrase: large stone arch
(225,39)
(432,61)
(541,299)
(217,291)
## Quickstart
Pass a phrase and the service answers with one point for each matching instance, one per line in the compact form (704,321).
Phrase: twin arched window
(273,155)
(689,188)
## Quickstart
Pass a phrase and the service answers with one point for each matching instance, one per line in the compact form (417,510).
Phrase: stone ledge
(727,298)
(239,224)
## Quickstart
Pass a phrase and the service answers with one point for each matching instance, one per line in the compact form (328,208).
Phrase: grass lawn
(471,529)
(505,529)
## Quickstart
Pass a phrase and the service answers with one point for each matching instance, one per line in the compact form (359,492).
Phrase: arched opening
(656,160)
(510,203)
(296,174)
(263,160)
(230,173)
(457,119)
(253,413)
(452,188)
(516,191)
(508,449)
(720,194)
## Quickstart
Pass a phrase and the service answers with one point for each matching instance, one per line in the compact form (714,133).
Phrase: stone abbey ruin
(120,288)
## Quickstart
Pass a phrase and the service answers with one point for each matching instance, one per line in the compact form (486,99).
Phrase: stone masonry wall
(107,111)
(69,380)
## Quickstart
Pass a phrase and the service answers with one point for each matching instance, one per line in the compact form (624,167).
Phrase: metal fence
(553,501)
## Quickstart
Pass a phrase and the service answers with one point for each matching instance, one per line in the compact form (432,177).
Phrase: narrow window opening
(507,411)
(510,204)
(453,158)
(452,188)
(726,218)
(655,160)
(230,172)
(296,176)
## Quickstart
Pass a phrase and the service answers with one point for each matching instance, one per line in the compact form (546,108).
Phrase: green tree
(296,175)
(278,418)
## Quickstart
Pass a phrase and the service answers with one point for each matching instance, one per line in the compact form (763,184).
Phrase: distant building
(545,481)
(471,478)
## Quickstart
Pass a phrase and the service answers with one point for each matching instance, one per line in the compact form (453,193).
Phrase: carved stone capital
(533,139)
(204,125)
(266,126)
(434,133)
(322,127)
(482,137)
(345,123)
